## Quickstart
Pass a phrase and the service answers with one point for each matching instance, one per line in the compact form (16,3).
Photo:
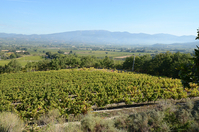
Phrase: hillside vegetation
(77,91)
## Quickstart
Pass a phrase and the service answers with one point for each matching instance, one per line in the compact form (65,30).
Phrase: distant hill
(103,37)
(177,45)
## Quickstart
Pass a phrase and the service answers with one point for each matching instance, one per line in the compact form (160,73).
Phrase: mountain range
(103,37)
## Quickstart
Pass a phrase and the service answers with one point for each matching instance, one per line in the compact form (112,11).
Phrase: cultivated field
(23,60)
(78,91)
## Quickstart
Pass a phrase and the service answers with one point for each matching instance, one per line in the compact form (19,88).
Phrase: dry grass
(165,116)
(10,122)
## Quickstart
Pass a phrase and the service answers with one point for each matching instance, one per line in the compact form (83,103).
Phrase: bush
(51,122)
(52,117)
(10,122)
(164,118)
(97,124)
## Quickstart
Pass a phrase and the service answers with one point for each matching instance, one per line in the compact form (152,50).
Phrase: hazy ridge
(103,37)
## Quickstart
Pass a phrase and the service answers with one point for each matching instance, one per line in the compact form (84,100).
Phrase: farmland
(48,85)
(77,91)
(37,56)
(23,60)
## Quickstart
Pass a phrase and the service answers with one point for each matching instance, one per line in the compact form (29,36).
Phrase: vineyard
(76,91)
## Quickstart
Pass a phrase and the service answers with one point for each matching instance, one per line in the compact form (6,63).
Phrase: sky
(176,17)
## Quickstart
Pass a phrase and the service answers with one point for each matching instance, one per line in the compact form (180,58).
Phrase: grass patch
(22,60)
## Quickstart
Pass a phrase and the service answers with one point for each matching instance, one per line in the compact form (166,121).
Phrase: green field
(89,52)
(22,60)
(36,56)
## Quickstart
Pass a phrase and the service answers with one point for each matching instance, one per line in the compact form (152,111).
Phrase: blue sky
(177,17)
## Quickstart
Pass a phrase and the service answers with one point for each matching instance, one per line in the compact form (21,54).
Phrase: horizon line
(98,30)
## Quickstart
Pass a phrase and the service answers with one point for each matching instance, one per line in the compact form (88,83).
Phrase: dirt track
(122,57)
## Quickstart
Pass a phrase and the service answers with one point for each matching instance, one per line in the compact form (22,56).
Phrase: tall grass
(10,122)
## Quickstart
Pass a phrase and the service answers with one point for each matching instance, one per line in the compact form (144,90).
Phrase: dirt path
(122,57)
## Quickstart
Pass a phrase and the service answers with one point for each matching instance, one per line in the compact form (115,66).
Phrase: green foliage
(189,73)
(48,54)
(58,62)
(12,67)
(75,91)
(60,52)
(163,64)
(12,56)
(107,62)
(87,61)
(164,118)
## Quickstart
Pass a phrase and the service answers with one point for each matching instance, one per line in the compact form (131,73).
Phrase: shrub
(96,124)
(52,116)
(10,122)
(165,117)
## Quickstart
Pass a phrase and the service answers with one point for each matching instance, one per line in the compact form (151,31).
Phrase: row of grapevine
(74,91)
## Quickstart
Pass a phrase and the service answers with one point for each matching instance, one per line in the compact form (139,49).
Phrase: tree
(29,66)
(87,61)
(60,52)
(141,63)
(165,64)
(128,63)
(198,34)
(12,56)
(189,73)
(107,62)
(24,49)
(162,64)
(26,53)
(55,64)
(48,54)
(1,69)
(13,66)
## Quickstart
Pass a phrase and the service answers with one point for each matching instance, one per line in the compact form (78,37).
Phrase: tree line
(12,55)
(162,64)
